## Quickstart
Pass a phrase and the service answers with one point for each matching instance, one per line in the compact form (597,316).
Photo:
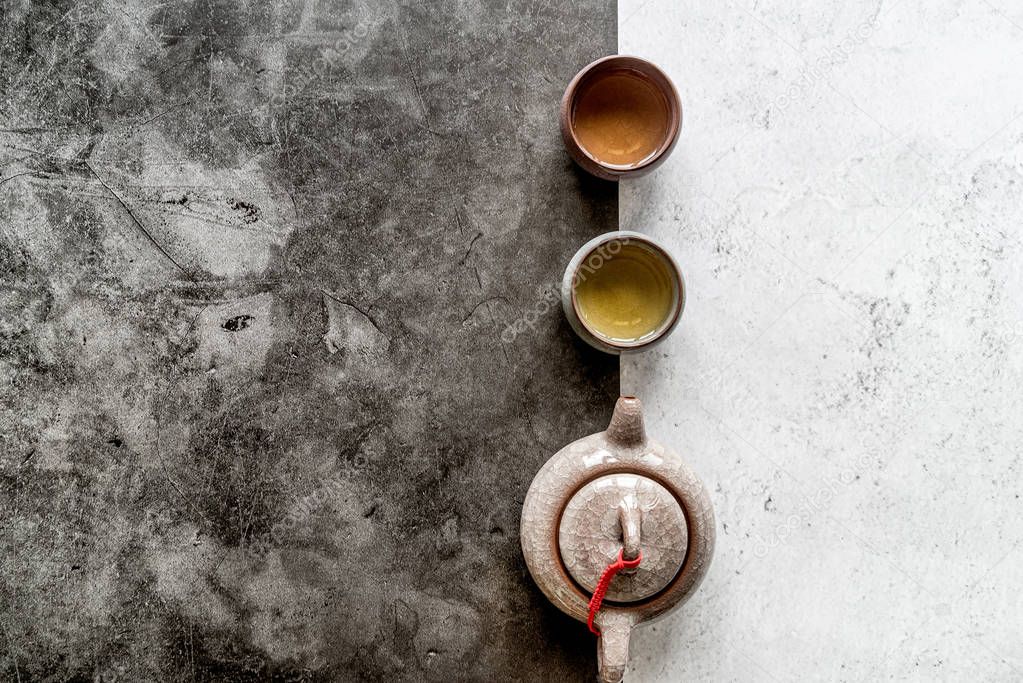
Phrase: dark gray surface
(198,202)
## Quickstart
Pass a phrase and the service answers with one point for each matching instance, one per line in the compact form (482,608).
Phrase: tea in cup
(620,116)
(623,292)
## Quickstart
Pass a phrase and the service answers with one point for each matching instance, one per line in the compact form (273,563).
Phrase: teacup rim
(674,110)
(678,290)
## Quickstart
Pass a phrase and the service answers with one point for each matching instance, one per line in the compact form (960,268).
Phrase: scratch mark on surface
(469,250)
(412,76)
(164,112)
(32,130)
(332,336)
(14,658)
(139,223)
(16,175)
(158,450)
(483,303)
(418,90)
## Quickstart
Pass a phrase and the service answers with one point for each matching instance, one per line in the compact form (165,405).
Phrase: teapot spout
(626,427)
(613,646)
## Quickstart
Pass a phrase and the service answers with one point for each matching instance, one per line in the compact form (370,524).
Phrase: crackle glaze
(592,533)
(621,478)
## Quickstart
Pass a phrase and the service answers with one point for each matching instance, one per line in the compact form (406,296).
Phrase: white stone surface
(846,202)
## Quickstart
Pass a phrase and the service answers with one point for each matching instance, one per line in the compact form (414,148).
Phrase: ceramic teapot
(608,496)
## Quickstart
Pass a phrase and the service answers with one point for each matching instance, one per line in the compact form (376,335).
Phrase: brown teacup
(620,116)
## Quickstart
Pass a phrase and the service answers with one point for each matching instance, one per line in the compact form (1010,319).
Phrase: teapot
(617,498)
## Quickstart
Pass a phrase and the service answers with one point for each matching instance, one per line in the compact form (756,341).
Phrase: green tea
(627,295)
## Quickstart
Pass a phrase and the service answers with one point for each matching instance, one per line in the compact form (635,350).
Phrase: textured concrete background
(845,200)
(262,414)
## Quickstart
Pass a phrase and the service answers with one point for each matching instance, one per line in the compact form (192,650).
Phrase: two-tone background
(281,349)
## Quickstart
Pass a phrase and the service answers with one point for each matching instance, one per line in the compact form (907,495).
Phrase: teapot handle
(613,645)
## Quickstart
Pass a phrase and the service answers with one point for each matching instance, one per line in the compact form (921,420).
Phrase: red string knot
(605,581)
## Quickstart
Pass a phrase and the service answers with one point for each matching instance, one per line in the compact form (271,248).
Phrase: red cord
(605,581)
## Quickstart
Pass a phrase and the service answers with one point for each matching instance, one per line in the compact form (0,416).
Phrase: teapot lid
(630,511)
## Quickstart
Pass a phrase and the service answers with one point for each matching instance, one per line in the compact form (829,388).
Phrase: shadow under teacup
(622,292)
(620,117)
